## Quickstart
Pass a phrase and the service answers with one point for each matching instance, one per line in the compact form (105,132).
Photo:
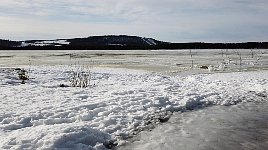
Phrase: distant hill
(118,42)
(92,42)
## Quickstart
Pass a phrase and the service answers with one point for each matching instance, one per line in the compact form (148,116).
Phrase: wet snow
(119,104)
(242,126)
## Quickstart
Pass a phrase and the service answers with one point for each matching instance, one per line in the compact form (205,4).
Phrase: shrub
(80,77)
(23,75)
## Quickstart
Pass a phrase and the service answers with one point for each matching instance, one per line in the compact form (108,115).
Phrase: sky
(166,20)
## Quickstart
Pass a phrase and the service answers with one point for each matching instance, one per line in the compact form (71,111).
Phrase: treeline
(4,44)
(81,47)
(249,45)
(124,42)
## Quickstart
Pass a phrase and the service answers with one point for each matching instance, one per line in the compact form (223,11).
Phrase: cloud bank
(170,20)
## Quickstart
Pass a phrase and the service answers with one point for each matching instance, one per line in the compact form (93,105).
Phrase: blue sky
(168,20)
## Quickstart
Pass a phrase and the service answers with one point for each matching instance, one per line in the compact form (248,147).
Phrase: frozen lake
(130,95)
(164,61)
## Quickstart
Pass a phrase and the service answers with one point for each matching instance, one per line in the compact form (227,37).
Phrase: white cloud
(172,20)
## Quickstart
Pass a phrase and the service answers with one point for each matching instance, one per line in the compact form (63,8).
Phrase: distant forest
(125,43)
(8,44)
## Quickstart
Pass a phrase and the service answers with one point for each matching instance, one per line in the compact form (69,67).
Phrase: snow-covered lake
(130,91)
(167,61)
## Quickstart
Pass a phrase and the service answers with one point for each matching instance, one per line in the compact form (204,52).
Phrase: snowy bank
(120,102)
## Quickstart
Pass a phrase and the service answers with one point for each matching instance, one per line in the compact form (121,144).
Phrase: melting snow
(119,104)
(242,126)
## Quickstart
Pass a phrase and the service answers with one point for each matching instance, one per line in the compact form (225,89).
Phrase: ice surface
(242,126)
(164,61)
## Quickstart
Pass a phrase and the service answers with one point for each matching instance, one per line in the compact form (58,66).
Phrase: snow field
(119,104)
